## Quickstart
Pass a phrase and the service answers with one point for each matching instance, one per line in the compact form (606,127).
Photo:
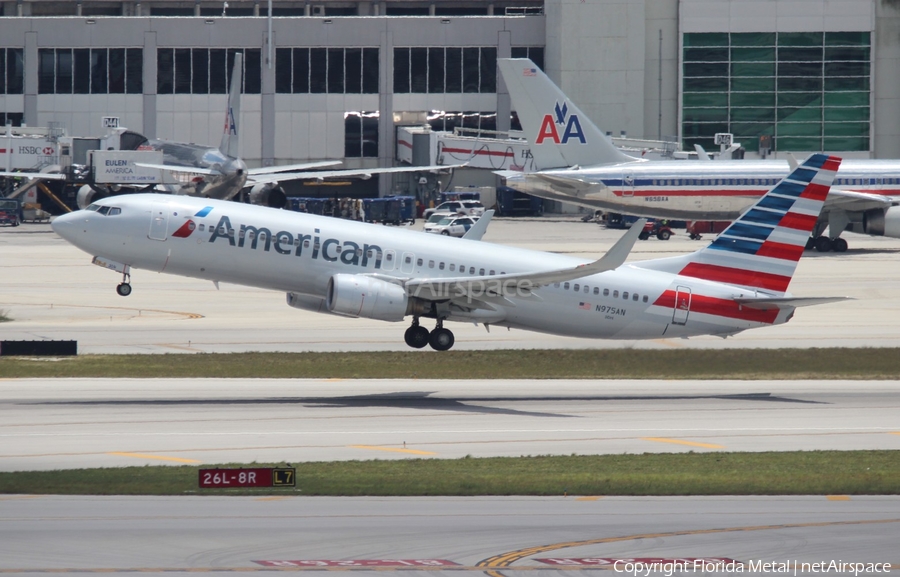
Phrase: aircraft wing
(494,289)
(480,227)
(179,168)
(851,200)
(773,303)
(264,171)
(363,173)
(44,175)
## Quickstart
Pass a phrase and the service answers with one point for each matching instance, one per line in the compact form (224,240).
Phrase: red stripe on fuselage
(707,305)
(737,276)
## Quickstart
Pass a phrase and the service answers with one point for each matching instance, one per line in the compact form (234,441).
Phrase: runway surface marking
(489,566)
(392,450)
(132,309)
(154,457)
(680,442)
(505,560)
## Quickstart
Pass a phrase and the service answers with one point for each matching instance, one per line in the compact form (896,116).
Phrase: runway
(51,291)
(493,536)
(76,423)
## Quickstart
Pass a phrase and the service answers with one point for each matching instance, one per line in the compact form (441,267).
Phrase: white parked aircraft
(579,164)
(355,269)
(220,173)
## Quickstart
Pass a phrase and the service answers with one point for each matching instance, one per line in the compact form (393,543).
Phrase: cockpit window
(93,207)
(113,211)
(105,210)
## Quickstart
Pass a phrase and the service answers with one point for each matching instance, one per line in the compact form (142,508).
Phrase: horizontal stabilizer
(778,303)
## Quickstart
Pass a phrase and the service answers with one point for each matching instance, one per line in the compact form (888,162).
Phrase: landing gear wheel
(823,244)
(644,235)
(810,243)
(441,339)
(663,235)
(124,289)
(839,245)
(416,336)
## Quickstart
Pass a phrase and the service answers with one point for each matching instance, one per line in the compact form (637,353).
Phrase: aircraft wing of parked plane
(360,270)
(578,163)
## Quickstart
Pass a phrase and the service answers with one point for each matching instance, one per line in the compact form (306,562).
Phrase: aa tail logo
(230,125)
(571,127)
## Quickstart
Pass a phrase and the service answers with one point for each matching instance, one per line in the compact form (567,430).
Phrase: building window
(12,71)
(205,70)
(535,53)
(360,134)
(445,70)
(806,91)
(90,71)
(326,70)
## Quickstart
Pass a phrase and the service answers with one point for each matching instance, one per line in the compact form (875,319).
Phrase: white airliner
(220,173)
(356,269)
(579,164)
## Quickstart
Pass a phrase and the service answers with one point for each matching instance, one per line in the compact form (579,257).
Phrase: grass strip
(770,473)
(816,363)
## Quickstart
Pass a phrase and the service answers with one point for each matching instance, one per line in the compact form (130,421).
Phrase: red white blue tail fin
(559,133)
(760,249)
(230,134)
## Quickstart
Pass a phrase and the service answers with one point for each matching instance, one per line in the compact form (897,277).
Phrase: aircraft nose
(65,225)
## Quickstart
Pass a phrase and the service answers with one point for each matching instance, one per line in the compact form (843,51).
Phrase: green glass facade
(809,91)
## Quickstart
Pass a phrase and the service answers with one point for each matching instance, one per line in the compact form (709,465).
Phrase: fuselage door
(682,305)
(628,185)
(159,221)
(406,265)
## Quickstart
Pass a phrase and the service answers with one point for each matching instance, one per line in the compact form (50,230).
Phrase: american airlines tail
(760,250)
(230,135)
(560,134)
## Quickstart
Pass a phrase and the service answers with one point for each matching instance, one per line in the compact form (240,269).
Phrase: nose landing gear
(440,339)
(124,288)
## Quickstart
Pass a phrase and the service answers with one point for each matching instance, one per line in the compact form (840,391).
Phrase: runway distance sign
(241,478)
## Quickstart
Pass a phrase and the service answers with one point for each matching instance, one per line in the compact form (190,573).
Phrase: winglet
(478,229)
(701,152)
(615,257)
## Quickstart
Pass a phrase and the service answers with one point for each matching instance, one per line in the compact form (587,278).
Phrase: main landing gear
(440,339)
(124,288)
(825,244)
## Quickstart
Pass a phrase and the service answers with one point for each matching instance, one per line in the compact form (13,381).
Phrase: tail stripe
(760,249)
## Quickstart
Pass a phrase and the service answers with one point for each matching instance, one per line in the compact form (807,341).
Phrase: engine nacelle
(307,303)
(87,195)
(267,194)
(357,296)
(882,222)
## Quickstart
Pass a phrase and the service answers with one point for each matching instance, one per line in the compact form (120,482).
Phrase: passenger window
(596,290)
(452,266)
(431,264)
(492,273)
(615,294)
(481,271)
(566,285)
(389,256)
(407,259)
(441,266)
(587,289)
(202,227)
(471,270)
(625,295)
(634,297)
(576,287)
(556,284)
(306,243)
(606,292)
(645,298)
(419,262)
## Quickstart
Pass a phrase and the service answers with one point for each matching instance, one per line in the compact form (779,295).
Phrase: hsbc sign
(25,153)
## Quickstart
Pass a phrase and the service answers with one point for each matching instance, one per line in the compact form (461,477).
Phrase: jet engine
(882,222)
(362,296)
(307,303)
(87,194)
(268,194)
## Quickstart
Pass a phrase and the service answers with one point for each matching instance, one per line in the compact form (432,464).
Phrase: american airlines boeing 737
(352,269)
(579,164)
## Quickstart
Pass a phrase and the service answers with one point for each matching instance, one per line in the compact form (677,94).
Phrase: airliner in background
(354,269)
(579,164)
(220,173)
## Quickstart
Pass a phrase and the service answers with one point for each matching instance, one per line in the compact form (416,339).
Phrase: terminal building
(333,79)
